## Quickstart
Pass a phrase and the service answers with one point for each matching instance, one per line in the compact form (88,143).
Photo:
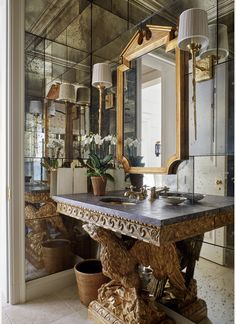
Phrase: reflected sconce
(101,80)
(66,93)
(83,96)
(52,110)
(35,107)
(218,47)
(83,100)
(193,36)
(158,148)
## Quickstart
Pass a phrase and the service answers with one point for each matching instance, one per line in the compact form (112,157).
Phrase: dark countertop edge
(140,219)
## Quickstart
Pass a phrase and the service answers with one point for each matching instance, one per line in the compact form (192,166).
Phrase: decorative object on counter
(97,171)
(193,197)
(89,278)
(174,200)
(193,36)
(57,255)
(101,80)
(67,93)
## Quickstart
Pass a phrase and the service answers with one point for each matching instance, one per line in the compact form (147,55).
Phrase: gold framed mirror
(152,119)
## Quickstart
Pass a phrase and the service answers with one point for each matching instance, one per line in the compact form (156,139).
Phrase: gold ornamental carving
(157,235)
(121,225)
(36,197)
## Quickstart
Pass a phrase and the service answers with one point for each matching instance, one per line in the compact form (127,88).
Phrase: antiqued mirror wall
(152,127)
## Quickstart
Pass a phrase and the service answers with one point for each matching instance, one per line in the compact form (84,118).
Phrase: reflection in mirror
(150,109)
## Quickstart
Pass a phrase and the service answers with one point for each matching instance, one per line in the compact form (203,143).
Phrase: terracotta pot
(99,185)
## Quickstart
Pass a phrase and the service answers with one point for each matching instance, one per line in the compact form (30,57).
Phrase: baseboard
(49,284)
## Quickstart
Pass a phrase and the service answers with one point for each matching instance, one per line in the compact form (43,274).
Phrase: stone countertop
(36,187)
(156,213)
(155,222)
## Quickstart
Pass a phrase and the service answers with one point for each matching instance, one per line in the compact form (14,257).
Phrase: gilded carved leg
(189,305)
(122,296)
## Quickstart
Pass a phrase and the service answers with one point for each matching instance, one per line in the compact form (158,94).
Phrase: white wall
(3,169)
(11,143)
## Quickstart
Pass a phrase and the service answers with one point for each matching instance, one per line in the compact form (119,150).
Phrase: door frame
(15,151)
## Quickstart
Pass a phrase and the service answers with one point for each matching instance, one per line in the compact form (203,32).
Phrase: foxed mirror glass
(152,117)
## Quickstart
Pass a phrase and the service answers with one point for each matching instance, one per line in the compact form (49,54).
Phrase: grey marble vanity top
(36,187)
(156,213)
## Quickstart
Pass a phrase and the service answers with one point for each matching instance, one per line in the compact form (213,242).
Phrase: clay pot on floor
(99,185)
(89,278)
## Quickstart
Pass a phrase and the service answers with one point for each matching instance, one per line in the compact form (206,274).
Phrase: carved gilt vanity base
(122,301)
(168,240)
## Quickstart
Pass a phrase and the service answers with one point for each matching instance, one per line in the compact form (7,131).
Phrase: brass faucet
(130,193)
(164,189)
(138,195)
(154,193)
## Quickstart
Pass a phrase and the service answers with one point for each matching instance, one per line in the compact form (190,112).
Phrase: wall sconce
(158,148)
(101,80)
(192,36)
(66,93)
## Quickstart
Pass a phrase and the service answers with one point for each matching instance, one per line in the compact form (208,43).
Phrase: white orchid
(113,140)
(98,139)
(108,138)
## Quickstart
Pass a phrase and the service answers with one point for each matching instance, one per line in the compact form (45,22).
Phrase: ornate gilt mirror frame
(160,36)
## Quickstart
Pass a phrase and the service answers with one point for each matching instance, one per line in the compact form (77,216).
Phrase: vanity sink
(118,201)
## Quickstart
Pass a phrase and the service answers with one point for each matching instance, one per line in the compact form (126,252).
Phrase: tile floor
(215,285)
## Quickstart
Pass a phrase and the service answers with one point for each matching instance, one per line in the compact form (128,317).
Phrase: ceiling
(76,28)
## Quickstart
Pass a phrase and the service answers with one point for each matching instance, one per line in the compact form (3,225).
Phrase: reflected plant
(94,143)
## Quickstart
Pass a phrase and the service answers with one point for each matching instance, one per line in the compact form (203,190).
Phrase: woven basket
(89,279)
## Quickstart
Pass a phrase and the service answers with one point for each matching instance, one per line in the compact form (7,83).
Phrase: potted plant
(97,171)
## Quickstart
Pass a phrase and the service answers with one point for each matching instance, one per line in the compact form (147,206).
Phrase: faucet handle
(144,190)
(152,193)
(131,187)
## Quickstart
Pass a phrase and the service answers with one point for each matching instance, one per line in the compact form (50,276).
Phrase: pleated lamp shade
(220,41)
(101,75)
(83,96)
(35,107)
(52,110)
(66,92)
(193,28)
